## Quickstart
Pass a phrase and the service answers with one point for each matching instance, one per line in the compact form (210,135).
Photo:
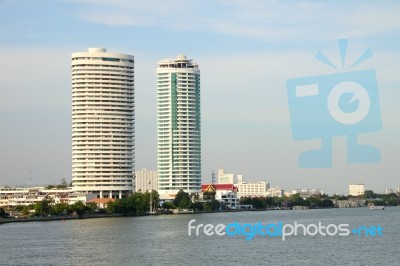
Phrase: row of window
(87,70)
(80,74)
(80,66)
(129,137)
(103,93)
(112,59)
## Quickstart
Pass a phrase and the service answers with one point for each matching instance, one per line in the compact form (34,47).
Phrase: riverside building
(356,189)
(178,126)
(146,180)
(103,123)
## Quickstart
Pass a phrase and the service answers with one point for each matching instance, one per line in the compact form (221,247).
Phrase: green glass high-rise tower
(178,126)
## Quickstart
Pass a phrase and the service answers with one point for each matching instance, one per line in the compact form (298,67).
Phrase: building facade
(224,178)
(12,197)
(178,126)
(224,193)
(356,189)
(275,192)
(305,192)
(256,189)
(103,123)
(146,180)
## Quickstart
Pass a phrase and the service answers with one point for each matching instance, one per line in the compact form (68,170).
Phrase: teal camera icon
(331,105)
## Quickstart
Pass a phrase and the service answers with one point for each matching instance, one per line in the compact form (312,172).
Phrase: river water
(164,240)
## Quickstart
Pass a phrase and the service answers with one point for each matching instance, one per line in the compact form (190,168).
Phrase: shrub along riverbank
(139,204)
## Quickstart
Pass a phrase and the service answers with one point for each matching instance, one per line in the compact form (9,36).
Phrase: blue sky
(246,51)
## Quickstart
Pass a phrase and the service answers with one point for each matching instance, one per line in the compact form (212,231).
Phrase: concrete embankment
(55,218)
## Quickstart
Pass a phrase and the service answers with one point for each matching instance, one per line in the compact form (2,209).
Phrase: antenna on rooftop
(213,177)
(29,184)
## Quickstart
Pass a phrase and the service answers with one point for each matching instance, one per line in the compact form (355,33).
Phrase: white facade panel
(178,126)
(103,119)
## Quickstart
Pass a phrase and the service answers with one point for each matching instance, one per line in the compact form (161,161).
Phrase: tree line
(138,203)
(47,207)
(315,201)
(319,201)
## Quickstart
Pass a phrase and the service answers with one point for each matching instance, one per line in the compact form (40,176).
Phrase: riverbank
(90,216)
(56,218)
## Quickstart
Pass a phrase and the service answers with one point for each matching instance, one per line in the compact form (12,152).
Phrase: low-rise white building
(305,192)
(224,178)
(356,189)
(275,192)
(80,196)
(253,189)
(146,180)
(11,197)
(391,190)
(225,193)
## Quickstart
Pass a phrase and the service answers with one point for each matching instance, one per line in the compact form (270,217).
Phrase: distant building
(101,203)
(225,193)
(80,196)
(305,192)
(356,189)
(353,202)
(146,180)
(11,197)
(390,190)
(224,178)
(275,192)
(256,189)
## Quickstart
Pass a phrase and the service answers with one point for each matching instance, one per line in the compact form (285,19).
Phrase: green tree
(112,207)
(155,198)
(245,201)
(44,207)
(3,213)
(198,206)
(208,195)
(121,206)
(61,209)
(258,202)
(91,207)
(168,206)
(277,201)
(79,207)
(326,203)
(182,200)
(63,184)
(339,197)
(26,209)
(138,203)
(369,194)
(296,200)
(391,199)
(212,205)
(314,201)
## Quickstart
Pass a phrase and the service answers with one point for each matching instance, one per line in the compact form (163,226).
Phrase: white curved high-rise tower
(178,126)
(103,123)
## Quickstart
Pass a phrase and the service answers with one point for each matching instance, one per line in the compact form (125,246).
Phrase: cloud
(267,20)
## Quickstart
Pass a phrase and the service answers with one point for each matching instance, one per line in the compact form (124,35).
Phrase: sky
(246,50)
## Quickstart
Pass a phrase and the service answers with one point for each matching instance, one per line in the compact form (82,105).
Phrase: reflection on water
(163,240)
